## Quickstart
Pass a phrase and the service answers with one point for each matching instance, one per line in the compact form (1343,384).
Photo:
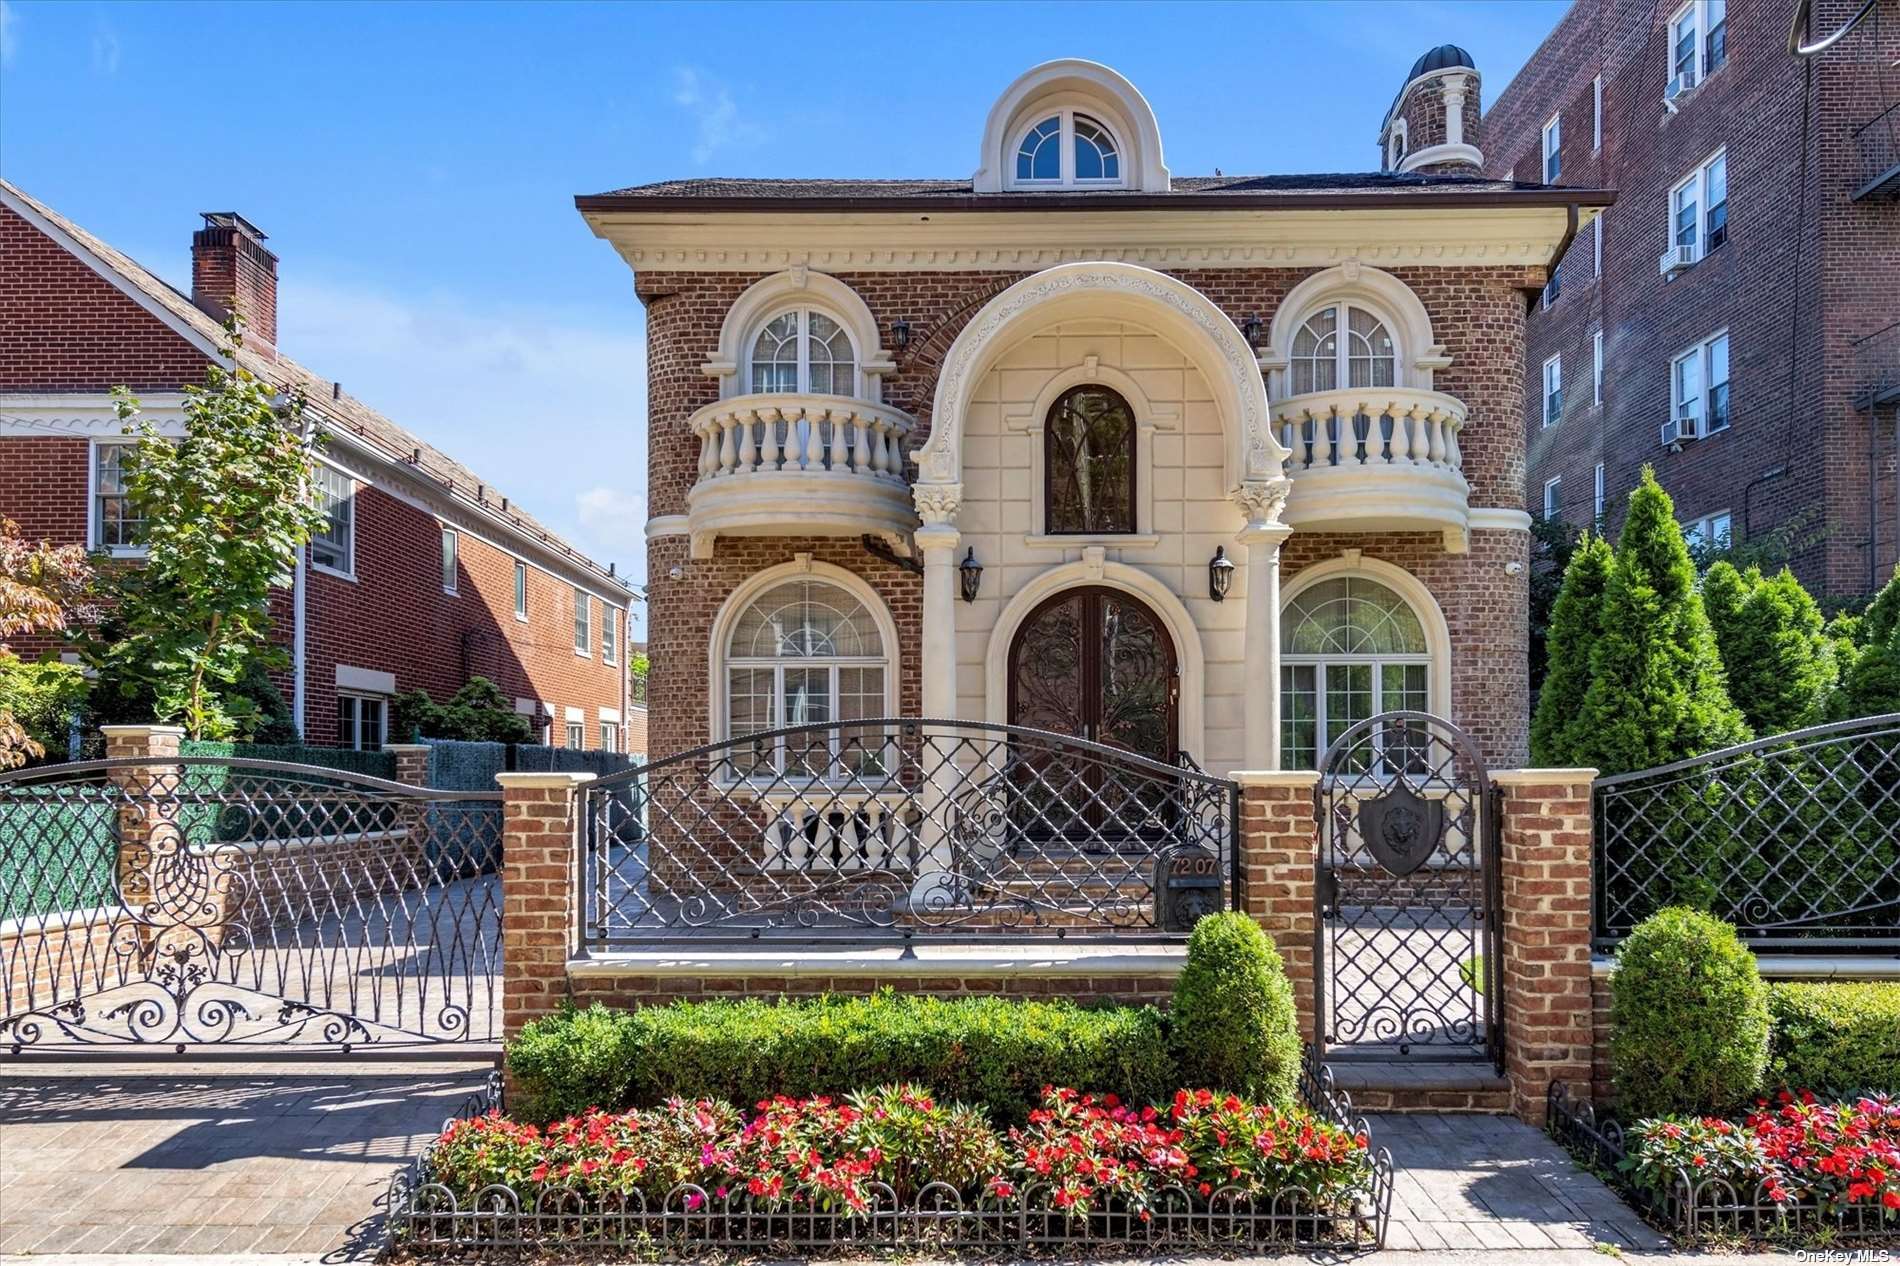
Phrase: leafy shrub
(600,1153)
(1259,1149)
(1690,1015)
(478,713)
(1842,1038)
(1092,1151)
(918,1139)
(1576,626)
(1233,1023)
(1778,660)
(42,696)
(996,1052)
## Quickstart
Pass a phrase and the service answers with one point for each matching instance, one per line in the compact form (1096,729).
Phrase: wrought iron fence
(894,828)
(195,901)
(426,1217)
(1712,1206)
(1794,839)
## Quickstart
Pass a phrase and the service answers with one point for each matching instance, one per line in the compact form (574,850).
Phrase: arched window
(804,652)
(1089,462)
(1395,145)
(804,351)
(1068,148)
(1343,345)
(1350,648)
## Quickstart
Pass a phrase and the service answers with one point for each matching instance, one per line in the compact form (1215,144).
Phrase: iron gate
(196,902)
(1407,893)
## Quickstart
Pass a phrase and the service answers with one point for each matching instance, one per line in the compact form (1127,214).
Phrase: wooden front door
(1097,663)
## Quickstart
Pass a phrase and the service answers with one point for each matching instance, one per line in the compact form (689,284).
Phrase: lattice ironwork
(1794,839)
(1407,893)
(897,828)
(192,902)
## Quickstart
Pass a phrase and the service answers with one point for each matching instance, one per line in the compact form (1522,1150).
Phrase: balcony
(1877,368)
(1878,143)
(1376,459)
(779,464)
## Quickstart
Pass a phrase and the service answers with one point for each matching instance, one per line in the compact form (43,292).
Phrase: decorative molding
(1424,605)
(1499,519)
(1442,154)
(666,525)
(798,287)
(85,415)
(1262,501)
(1072,83)
(1374,289)
(937,504)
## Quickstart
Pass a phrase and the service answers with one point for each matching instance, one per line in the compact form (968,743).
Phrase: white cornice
(83,416)
(1029,240)
(1442,154)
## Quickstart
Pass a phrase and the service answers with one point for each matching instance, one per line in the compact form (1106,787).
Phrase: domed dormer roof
(1071,124)
(1444,57)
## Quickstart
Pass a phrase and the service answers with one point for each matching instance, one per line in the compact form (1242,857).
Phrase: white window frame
(1696,14)
(1597,496)
(353,739)
(610,736)
(1596,367)
(1553,386)
(521,591)
(1697,183)
(583,623)
(1554,287)
(1596,114)
(1702,531)
(1553,499)
(1065,137)
(609,633)
(1596,241)
(1430,626)
(95,521)
(804,310)
(1395,144)
(574,737)
(1703,354)
(348,545)
(1553,149)
(451,560)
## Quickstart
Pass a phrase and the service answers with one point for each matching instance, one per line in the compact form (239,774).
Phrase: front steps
(1420,1087)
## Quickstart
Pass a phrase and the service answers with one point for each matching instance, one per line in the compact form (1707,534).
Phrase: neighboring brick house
(1735,320)
(1101,384)
(426,577)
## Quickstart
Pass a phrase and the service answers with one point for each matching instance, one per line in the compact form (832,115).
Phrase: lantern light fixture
(1220,574)
(970,573)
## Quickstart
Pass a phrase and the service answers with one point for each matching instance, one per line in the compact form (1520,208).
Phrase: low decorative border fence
(1710,1206)
(426,1217)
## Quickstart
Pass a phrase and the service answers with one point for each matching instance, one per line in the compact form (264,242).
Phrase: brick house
(1195,466)
(427,575)
(1735,320)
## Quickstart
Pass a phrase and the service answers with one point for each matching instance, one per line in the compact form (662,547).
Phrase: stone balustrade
(1376,458)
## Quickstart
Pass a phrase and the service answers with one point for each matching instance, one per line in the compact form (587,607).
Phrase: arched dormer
(1391,333)
(1071,124)
(800,332)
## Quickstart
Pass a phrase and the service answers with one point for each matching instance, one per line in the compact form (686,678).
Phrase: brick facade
(1805,272)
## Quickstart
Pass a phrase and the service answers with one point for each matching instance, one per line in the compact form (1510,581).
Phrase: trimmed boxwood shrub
(1835,1038)
(1691,1017)
(998,1052)
(1233,1024)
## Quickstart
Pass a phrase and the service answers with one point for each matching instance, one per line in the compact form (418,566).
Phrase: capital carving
(1262,500)
(937,503)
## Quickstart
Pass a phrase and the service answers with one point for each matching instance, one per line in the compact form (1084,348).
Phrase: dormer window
(806,352)
(1066,149)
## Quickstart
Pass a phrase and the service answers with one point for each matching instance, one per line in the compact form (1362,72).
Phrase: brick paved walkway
(162,1159)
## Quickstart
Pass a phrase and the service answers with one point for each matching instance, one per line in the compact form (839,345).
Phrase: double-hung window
(1698,41)
(332,545)
(1596,113)
(1698,207)
(1553,499)
(1553,149)
(609,634)
(577,734)
(1350,648)
(449,551)
(609,736)
(1698,384)
(1596,368)
(1711,531)
(583,634)
(1553,390)
(362,722)
(521,591)
(115,525)
(1555,286)
(1596,499)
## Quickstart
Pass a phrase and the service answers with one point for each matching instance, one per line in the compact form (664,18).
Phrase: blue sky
(414,164)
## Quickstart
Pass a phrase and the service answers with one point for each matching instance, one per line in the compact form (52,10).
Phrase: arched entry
(1098,663)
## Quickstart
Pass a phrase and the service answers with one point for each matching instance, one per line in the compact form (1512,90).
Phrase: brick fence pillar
(148,807)
(1545,862)
(1279,847)
(540,891)
(419,859)
(412,763)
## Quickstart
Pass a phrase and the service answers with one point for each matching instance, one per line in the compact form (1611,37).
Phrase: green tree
(43,589)
(224,510)
(1553,543)
(478,712)
(1870,685)
(1777,657)
(1576,625)
(1656,692)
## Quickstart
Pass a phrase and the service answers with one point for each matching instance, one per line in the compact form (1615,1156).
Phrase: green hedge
(56,857)
(1837,1038)
(1233,1020)
(372,764)
(994,1051)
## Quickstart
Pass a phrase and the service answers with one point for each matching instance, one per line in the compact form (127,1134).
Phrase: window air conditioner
(1683,428)
(1677,258)
(1679,85)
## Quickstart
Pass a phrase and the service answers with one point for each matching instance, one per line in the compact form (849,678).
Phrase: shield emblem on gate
(1401,828)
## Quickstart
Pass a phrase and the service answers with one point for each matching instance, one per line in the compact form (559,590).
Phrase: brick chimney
(230,266)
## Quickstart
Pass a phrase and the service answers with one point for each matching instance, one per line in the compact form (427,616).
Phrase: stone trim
(543,780)
(913,961)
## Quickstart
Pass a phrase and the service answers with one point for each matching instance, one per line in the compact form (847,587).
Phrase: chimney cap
(232,220)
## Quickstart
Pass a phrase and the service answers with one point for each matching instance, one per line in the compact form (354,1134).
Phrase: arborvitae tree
(1576,624)
(1779,661)
(1656,693)
(1871,686)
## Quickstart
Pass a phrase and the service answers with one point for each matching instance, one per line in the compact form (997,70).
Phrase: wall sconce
(900,334)
(970,573)
(1220,574)
(1250,330)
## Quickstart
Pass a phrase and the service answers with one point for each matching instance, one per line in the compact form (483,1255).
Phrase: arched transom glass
(1089,463)
(804,351)
(1350,648)
(804,652)
(1068,148)
(1343,346)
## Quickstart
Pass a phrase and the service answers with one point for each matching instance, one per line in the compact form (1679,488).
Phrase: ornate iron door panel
(1407,894)
(172,903)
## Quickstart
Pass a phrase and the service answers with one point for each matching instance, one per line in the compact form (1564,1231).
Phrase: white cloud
(9,33)
(548,410)
(105,48)
(716,114)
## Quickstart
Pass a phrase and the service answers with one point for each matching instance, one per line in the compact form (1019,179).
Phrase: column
(938,538)
(415,862)
(1279,847)
(1545,840)
(1262,537)
(540,891)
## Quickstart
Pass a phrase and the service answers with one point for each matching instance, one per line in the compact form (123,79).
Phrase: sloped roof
(340,412)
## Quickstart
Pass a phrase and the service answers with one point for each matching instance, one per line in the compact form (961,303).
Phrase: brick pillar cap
(142,731)
(1276,777)
(538,778)
(399,748)
(1524,777)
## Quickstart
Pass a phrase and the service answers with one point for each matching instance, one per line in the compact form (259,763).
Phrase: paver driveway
(162,1158)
